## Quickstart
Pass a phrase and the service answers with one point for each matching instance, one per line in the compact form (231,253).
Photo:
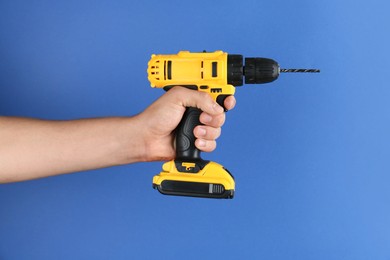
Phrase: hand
(162,117)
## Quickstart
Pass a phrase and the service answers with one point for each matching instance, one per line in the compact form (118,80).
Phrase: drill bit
(300,70)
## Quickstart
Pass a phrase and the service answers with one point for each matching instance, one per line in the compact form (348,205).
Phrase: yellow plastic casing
(206,70)
(212,173)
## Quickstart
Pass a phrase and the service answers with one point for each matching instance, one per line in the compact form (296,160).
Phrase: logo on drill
(188,165)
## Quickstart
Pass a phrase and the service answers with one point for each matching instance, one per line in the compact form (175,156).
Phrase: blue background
(310,153)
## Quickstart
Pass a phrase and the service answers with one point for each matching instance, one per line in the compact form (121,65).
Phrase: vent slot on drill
(216,90)
(214,72)
(169,69)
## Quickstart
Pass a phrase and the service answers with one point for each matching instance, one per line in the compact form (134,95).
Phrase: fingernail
(206,118)
(232,103)
(201,131)
(201,143)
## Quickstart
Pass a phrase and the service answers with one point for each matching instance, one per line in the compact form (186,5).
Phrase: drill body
(216,73)
(206,72)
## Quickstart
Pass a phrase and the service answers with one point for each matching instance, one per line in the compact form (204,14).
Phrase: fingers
(189,98)
(206,136)
(205,145)
(206,132)
(212,117)
(212,120)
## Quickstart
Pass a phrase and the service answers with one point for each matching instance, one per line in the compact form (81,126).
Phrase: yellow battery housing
(213,181)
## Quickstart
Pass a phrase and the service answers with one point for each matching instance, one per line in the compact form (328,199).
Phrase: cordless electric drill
(216,73)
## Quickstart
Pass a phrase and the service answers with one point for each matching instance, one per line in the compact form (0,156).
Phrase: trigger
(221,101)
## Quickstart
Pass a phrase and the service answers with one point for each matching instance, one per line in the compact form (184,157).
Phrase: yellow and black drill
(216,73)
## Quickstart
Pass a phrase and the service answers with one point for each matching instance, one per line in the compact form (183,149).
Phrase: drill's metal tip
(300,70)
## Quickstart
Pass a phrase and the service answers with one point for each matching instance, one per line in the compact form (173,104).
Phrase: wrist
(131,141)
(151,144)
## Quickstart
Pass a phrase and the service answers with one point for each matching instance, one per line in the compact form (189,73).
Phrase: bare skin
(32,148)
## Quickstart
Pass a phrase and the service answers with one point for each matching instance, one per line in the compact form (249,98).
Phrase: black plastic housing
(260,70)
(185,139)
(194,189)
(186,150)
(235,70)
(256,70)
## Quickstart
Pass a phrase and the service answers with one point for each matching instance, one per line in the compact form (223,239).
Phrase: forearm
(31,148)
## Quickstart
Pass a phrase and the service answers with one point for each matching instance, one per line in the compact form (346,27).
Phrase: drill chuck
(256,70)
(260,70)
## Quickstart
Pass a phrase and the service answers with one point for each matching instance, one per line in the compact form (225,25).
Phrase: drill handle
(188,158)
(186,150)
(185,138)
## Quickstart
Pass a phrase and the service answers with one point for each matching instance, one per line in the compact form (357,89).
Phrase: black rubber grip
(185,138)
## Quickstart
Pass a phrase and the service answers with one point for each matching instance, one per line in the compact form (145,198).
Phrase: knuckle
(214,133)
(220,120)
(204,95)
(176,91)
